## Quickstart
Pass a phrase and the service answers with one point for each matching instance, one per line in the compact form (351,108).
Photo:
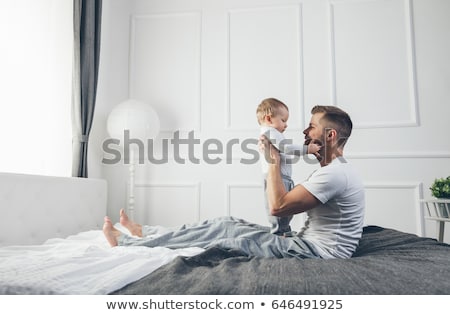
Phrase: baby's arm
(294,149)
(285,146)
(299,149)
(313,148)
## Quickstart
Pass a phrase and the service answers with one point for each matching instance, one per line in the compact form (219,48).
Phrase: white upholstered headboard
(34,208)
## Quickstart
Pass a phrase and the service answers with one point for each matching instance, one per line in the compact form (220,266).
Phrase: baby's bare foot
(134,228)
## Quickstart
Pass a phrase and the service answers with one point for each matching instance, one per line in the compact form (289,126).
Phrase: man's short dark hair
(337,119)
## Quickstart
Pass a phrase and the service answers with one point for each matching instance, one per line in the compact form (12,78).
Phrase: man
(332,197)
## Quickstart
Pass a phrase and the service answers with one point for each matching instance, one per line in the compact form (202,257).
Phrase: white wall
(205,65)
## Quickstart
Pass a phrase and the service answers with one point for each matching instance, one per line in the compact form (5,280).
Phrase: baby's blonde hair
(268,107)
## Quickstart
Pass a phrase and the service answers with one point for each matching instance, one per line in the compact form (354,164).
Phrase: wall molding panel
(165,67)
(245,200)
(262,40)
(241,186)
(181,202)
(392,194)
(374,79)
(398,155)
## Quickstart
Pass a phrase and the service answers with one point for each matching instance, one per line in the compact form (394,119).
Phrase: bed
(386,262)
(52,243)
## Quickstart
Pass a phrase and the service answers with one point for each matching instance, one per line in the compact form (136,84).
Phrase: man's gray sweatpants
(228,233)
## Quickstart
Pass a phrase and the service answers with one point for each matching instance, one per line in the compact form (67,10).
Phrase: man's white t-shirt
(335,227)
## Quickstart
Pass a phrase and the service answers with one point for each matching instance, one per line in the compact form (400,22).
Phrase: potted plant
(441,190)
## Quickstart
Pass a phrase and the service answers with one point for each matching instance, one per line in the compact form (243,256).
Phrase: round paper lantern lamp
(139,118)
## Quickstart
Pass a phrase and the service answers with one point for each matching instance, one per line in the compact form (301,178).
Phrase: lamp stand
(131,181)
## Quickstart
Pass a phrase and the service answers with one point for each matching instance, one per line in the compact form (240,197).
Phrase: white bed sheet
(80,264)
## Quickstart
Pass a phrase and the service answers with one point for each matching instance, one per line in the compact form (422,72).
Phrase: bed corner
(35,208)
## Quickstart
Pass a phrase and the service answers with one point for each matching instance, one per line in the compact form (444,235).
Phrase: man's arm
(281,202)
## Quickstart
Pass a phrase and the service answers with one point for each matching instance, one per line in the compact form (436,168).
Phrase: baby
(272,116)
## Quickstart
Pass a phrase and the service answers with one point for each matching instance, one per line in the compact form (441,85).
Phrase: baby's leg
(280,225)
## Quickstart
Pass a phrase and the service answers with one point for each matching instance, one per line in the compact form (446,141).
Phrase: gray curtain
(87,26)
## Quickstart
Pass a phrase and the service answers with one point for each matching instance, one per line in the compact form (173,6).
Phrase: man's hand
(271,154)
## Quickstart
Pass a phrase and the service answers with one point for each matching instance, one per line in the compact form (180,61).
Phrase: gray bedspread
(387,261)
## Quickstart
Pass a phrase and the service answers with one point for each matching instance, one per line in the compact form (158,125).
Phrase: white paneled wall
(205,66)
(165,66)
(373,62)
(174,203)
(264,59)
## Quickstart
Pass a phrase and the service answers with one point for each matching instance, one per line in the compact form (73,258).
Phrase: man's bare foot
(111,233)
(134,228)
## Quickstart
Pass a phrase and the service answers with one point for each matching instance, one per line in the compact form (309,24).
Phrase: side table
(437,209)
